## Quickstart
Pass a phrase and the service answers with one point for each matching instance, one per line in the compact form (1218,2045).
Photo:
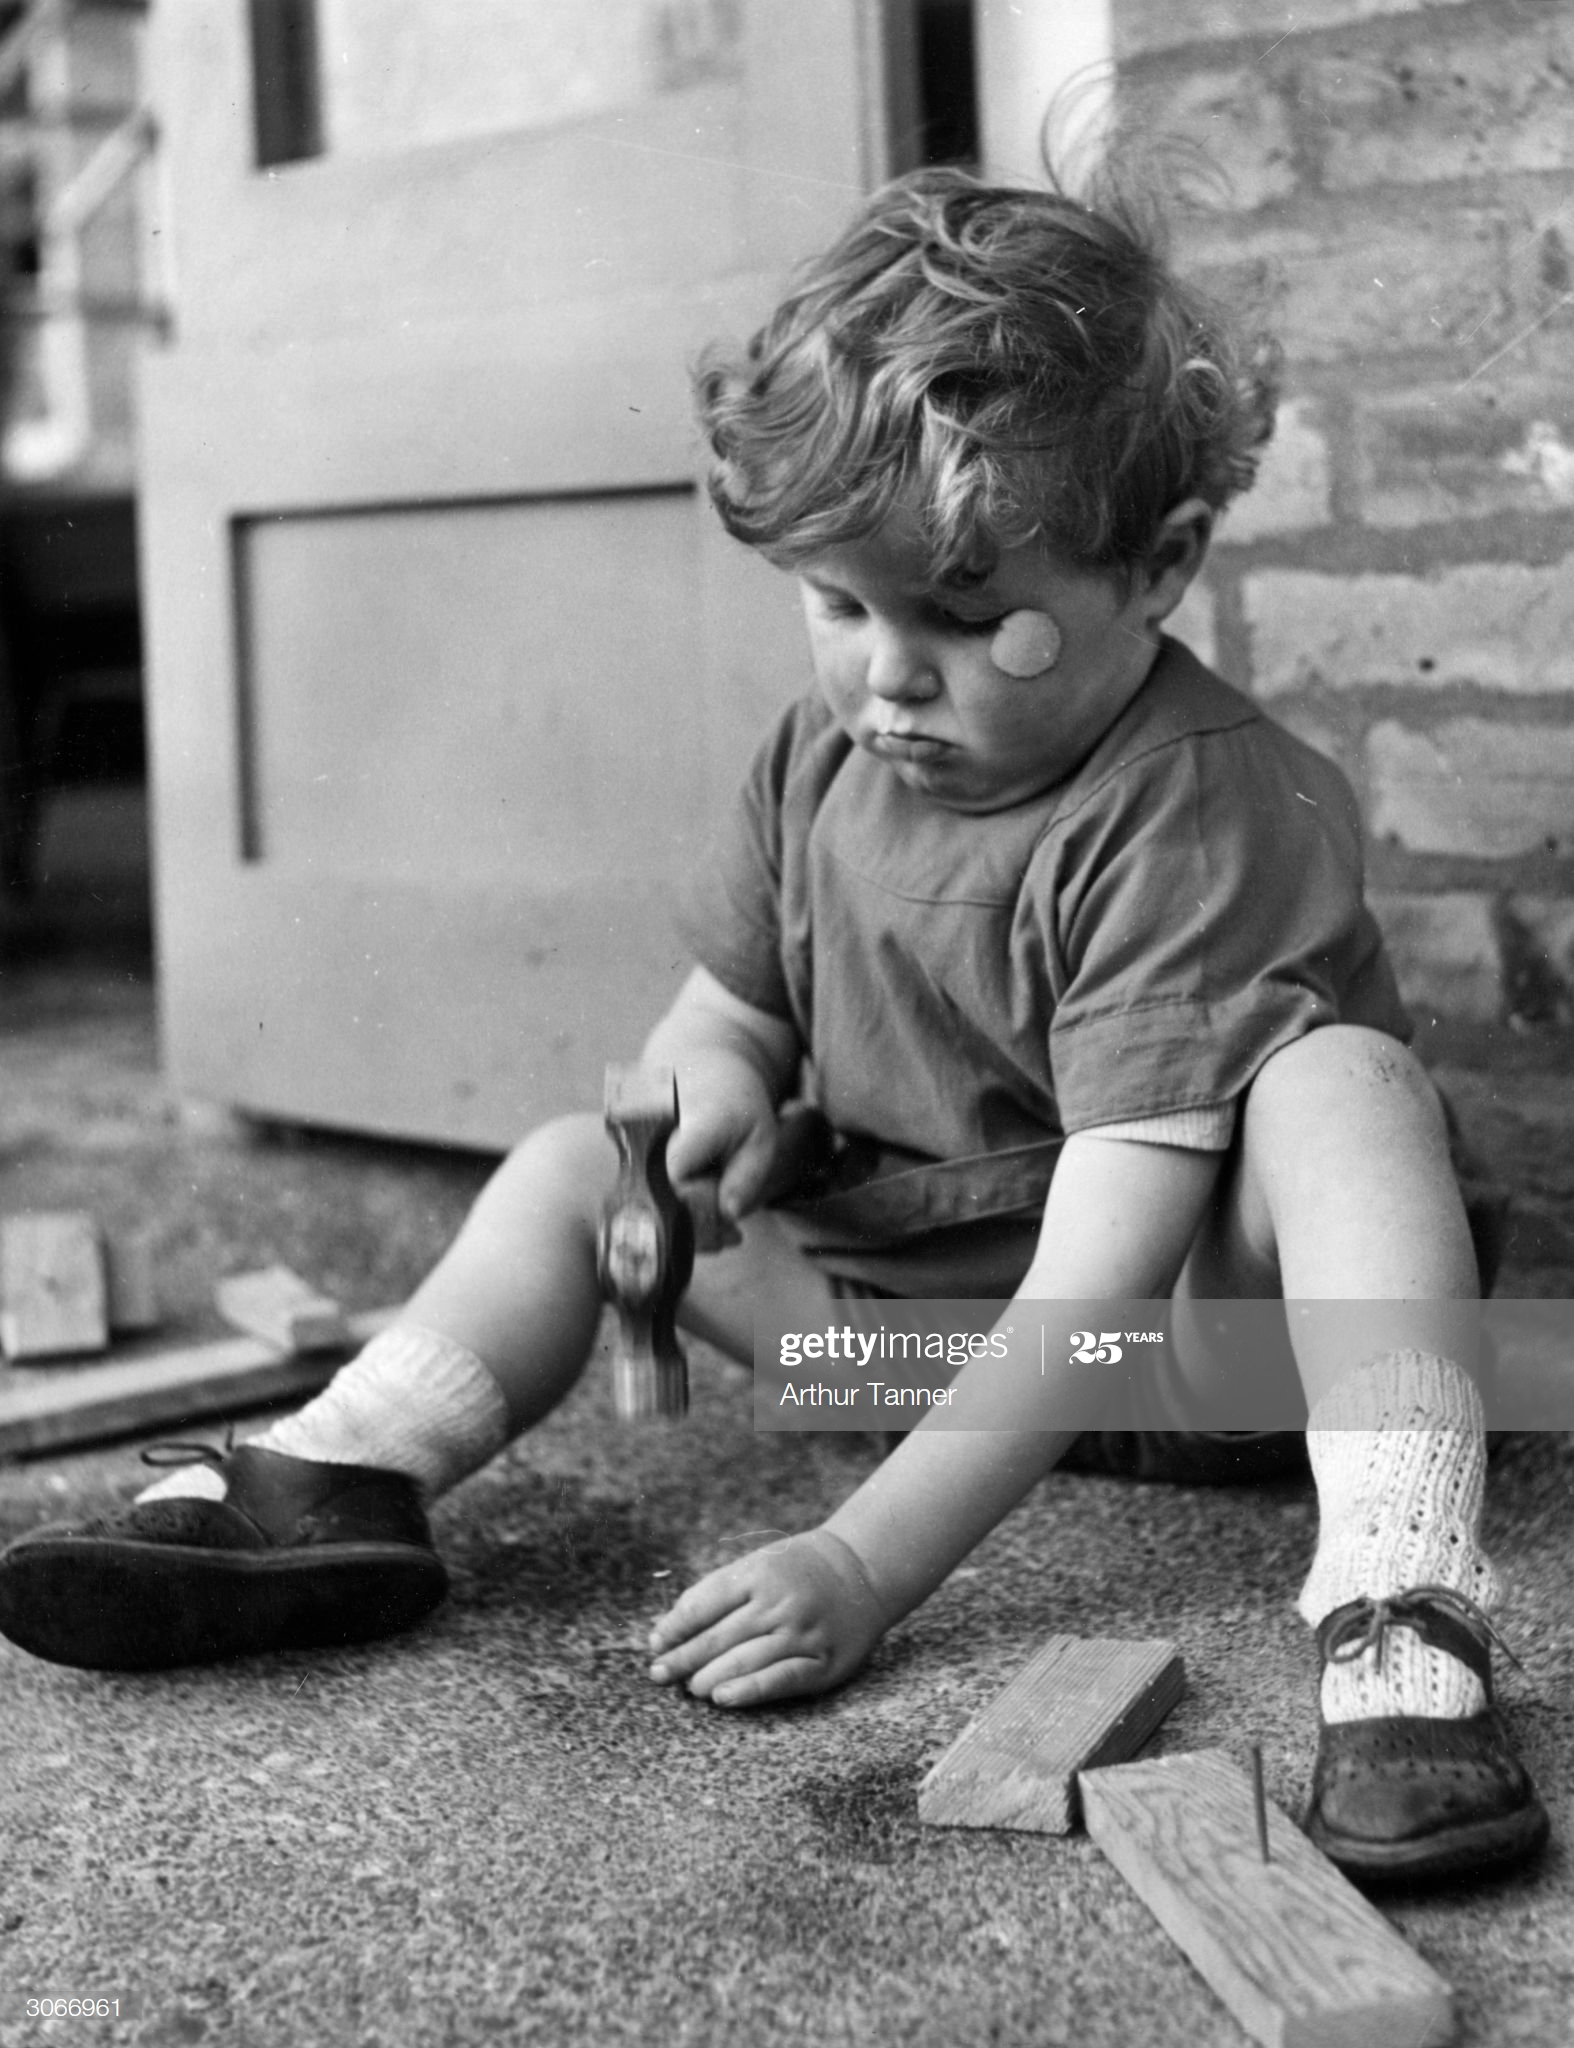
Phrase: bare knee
(1341,1082)
(566,1166)
(1346,1169)
(576,1145)
(1317,1116)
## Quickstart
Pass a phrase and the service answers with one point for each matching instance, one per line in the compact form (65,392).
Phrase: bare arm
(804,1614)
(1119,1221)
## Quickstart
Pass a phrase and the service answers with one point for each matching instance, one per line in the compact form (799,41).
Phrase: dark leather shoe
(1405,1798)
(297,1555)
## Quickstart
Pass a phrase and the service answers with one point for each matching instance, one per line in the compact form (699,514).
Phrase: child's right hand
(734,1063)
(727,1131)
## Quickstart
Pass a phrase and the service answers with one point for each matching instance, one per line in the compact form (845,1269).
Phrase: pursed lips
(904,745)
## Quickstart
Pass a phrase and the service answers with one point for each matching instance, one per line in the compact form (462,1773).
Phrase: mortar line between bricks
(1532,540)
(1360,35)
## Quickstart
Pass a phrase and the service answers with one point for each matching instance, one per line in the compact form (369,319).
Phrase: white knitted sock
(412,1402)
(1398,1450)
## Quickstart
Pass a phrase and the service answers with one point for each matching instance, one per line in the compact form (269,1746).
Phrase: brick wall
(1399,588)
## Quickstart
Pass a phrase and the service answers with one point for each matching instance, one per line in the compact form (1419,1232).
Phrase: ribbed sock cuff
(412,1402)
(1398,1451)
(1401,1390)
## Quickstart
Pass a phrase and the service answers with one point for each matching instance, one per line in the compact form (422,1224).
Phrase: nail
(1259,1801)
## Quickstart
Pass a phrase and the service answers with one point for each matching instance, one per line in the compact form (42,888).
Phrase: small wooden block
(52,1295)
(1290,1946)
(635,1092)
(43,1410)
(1080,1702)
(131,1278)
(280,1308)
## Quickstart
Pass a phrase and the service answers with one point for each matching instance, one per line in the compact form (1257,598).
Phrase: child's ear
(1176,556)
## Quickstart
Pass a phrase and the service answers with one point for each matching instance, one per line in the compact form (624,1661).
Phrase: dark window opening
(72,745)
(13,94)
(21,252)
(947,83)
(286,85)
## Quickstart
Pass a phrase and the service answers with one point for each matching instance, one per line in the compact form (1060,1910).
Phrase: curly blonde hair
(1002,365)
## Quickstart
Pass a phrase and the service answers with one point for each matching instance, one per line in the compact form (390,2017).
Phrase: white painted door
(451,668)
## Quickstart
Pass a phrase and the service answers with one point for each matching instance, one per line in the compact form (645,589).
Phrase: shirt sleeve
(1210,1129)
(1207,909)
(730,914)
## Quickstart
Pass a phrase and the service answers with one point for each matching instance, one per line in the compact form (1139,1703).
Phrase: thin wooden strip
(1291,1947)
(1081,1701)
(92,1404)
(283,1310)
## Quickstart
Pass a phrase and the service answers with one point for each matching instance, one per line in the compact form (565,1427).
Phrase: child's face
(979,697)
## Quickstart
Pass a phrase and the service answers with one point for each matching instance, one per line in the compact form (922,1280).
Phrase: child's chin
(929,779)
(956,785)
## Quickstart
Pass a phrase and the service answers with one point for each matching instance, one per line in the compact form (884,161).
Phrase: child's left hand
(796,1617)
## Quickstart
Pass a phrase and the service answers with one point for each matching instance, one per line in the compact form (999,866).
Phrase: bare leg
(1341,1194)
(518,1286)
(1341,1190)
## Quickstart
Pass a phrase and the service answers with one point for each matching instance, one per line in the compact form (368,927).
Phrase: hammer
(649,1234)
(645,1245)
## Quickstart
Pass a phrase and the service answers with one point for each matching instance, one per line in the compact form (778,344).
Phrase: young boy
(1020,882)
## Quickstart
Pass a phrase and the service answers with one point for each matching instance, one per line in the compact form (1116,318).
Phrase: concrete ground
(496,1828)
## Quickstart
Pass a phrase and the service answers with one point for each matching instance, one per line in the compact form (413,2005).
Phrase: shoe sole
(115,1605)
(1475,1850)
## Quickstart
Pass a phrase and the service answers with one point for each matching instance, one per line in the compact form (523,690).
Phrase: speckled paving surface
(496,1829)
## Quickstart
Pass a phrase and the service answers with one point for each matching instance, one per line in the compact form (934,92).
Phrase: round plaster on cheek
(1025,644)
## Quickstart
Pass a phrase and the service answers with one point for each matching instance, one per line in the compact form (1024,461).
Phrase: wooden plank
(283,1310)
(49,1411)
(1080,1702)
(52,1294)
(1290,1946)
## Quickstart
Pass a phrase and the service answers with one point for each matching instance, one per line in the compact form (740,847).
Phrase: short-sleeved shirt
(1135,941)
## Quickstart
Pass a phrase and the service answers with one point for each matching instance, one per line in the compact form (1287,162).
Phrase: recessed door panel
(438,692)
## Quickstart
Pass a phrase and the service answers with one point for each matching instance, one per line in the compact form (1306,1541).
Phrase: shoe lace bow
(1365,1623)
(170,1452)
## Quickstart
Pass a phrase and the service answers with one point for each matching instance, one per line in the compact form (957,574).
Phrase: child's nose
(900,667)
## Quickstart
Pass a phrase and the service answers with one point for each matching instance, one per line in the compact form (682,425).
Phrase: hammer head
(645,1245)
(633,1094)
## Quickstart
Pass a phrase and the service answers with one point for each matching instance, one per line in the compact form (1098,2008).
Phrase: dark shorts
(889,1225)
